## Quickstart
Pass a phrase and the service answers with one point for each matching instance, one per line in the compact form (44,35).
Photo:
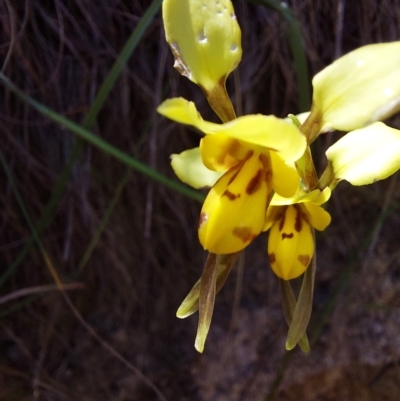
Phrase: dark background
(113,335)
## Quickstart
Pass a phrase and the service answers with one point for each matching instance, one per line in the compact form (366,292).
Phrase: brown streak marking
(271,257)
(240,165)
(234,175)
(304,260)
(284,235)
(298,223)
(264,160)
(244,233)
(230,195)
(282,217)
(255,183)
(268,176)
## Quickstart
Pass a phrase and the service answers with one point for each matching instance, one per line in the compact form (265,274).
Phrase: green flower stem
(294,36)
(101,144)
(305,167)
(221,103)
(121,61)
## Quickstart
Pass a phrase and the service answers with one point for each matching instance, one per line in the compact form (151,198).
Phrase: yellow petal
(266,131)
(271,216)
(361,87)
(316,196)
(181,111)
(285,179)
(290,243)
(189,168)
(233,213)
(220,152)
(366,155)
(318,217)
(205,39)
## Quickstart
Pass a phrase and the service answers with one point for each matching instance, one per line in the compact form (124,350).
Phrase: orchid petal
(361,87)
(366,155)
(290,243)
(205,39)
(318,217)
(316,196)
(285,179)
(220,152)
(233,213)
(189,168)
(255,129)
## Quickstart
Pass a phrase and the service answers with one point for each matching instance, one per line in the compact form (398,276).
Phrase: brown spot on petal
(268,176)
(240,165)
(230,195)
(203,218)
(271,257)
(304,260)
(281,216)
(284,235)
(255,183)
(264,160)
(234,175)
(299,222)
(244,233)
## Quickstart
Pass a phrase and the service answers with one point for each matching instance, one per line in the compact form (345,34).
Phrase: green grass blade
(120,63)
(99,143)
(88,122)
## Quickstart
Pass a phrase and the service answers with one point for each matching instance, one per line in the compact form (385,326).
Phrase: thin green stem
(102,144)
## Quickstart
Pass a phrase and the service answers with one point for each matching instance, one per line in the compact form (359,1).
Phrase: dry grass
(148,256)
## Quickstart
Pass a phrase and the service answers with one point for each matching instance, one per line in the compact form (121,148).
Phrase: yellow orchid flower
(255,162)
(291,239)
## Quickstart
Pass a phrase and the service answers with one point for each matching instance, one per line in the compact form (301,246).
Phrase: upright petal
(205,39)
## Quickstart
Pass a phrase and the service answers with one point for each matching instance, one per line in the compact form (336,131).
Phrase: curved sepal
(189,168)
(366,155)
(361,87)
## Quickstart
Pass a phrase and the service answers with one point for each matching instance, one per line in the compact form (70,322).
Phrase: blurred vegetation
(98,251)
